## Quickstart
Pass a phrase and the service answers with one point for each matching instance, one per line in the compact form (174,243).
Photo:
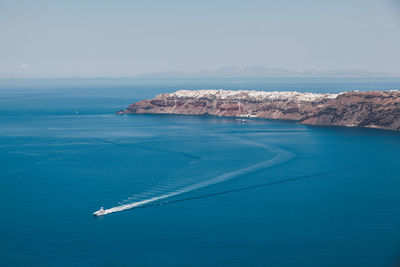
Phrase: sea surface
(217,191)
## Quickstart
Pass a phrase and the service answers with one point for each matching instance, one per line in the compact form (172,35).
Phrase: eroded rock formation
(363,109)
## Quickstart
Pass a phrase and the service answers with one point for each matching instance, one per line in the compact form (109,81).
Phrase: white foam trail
(282,156)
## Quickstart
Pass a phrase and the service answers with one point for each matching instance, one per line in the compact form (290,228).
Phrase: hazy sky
(108,38)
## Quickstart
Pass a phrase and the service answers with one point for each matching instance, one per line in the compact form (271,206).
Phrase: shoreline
(370,109)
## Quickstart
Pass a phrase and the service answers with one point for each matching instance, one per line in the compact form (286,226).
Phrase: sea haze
(258,192)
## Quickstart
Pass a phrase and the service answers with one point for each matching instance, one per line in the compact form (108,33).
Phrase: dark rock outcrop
(361,109)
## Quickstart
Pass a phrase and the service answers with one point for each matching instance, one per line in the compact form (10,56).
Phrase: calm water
(260,193)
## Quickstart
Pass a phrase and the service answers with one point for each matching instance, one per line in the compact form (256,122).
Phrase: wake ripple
(280,157)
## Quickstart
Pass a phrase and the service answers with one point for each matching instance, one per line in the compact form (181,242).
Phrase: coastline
(370,109)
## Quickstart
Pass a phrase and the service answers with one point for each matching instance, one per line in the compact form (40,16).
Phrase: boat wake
(281,156)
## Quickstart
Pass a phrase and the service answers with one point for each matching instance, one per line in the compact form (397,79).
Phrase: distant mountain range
(229,71)
(261,71)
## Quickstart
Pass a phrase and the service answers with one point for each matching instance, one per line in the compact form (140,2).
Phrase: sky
(126,38)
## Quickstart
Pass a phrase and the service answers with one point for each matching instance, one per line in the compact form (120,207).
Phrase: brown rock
(362,109)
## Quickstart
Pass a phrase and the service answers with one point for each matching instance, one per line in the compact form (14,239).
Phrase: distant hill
(261,71)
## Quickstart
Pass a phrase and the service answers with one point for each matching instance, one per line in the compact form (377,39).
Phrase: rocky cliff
(362,109)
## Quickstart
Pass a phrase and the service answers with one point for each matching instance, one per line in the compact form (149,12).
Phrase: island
(372,109)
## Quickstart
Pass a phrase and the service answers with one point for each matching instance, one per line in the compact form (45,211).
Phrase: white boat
(100,212)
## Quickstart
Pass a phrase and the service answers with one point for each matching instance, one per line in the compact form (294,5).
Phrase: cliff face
(363,109)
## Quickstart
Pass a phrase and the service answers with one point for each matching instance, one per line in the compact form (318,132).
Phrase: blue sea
(217,191)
